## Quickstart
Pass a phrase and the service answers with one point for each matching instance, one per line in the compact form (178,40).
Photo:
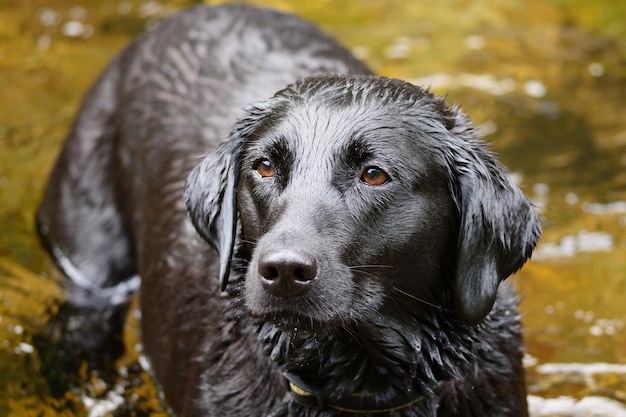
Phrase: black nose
(287,273)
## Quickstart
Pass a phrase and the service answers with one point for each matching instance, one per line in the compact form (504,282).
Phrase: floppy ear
(211,202)
(211,188)
(498,229)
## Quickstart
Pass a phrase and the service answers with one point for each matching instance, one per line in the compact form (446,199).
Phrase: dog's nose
(287,273)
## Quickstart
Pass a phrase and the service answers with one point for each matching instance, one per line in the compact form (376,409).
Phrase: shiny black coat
(404,295)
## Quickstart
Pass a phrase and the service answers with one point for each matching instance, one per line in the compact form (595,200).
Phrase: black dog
(361,230)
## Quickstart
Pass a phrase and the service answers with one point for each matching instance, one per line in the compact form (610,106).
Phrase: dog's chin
(290,321)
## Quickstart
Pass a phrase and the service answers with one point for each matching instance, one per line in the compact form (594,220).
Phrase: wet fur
(409,292)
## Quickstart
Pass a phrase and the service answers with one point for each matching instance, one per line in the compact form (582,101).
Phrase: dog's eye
(374,176)
(264,168)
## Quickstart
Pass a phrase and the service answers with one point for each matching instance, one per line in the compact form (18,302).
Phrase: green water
(545,80)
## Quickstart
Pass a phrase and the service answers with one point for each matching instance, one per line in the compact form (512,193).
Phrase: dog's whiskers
(358,269)
(421,300)
(370,266)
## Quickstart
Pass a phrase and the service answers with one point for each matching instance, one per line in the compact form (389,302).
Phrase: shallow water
(545,81)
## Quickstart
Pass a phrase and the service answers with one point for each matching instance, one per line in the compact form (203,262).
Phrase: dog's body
(368,230)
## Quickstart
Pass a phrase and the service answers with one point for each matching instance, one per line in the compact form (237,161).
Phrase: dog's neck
(355,403)
(381,362)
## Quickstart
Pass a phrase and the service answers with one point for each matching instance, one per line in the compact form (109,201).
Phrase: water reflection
(570,246)
(543,79)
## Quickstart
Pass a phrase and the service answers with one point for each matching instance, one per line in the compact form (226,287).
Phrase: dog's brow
(278,148)
(357,150)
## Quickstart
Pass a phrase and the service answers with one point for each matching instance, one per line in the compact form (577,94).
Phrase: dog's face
(354,194)
(341,209)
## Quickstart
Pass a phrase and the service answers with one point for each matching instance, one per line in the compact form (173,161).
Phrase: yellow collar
(354,403)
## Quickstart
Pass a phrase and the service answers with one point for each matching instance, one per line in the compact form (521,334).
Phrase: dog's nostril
(304,274)
(268,272)
(287,273)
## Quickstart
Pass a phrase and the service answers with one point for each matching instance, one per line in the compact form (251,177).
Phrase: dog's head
(348,191)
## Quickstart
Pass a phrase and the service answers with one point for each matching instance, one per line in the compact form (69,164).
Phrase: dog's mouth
(292,321)
(320,311)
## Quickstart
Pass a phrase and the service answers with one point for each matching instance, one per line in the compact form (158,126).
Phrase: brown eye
(264,168)
(374,176)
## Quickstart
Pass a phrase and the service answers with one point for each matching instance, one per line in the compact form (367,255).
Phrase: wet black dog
(362,232)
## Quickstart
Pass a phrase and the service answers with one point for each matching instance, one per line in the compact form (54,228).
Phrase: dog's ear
(211,188)
(211,202)
(498,229)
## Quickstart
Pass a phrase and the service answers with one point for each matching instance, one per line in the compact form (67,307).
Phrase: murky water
(545,80)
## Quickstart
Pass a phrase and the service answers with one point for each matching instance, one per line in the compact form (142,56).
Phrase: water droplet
(48,17)
(541,189)
(475,42)
(73,29)
(596,69)
(26,348)
(571,198)
(535,88)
